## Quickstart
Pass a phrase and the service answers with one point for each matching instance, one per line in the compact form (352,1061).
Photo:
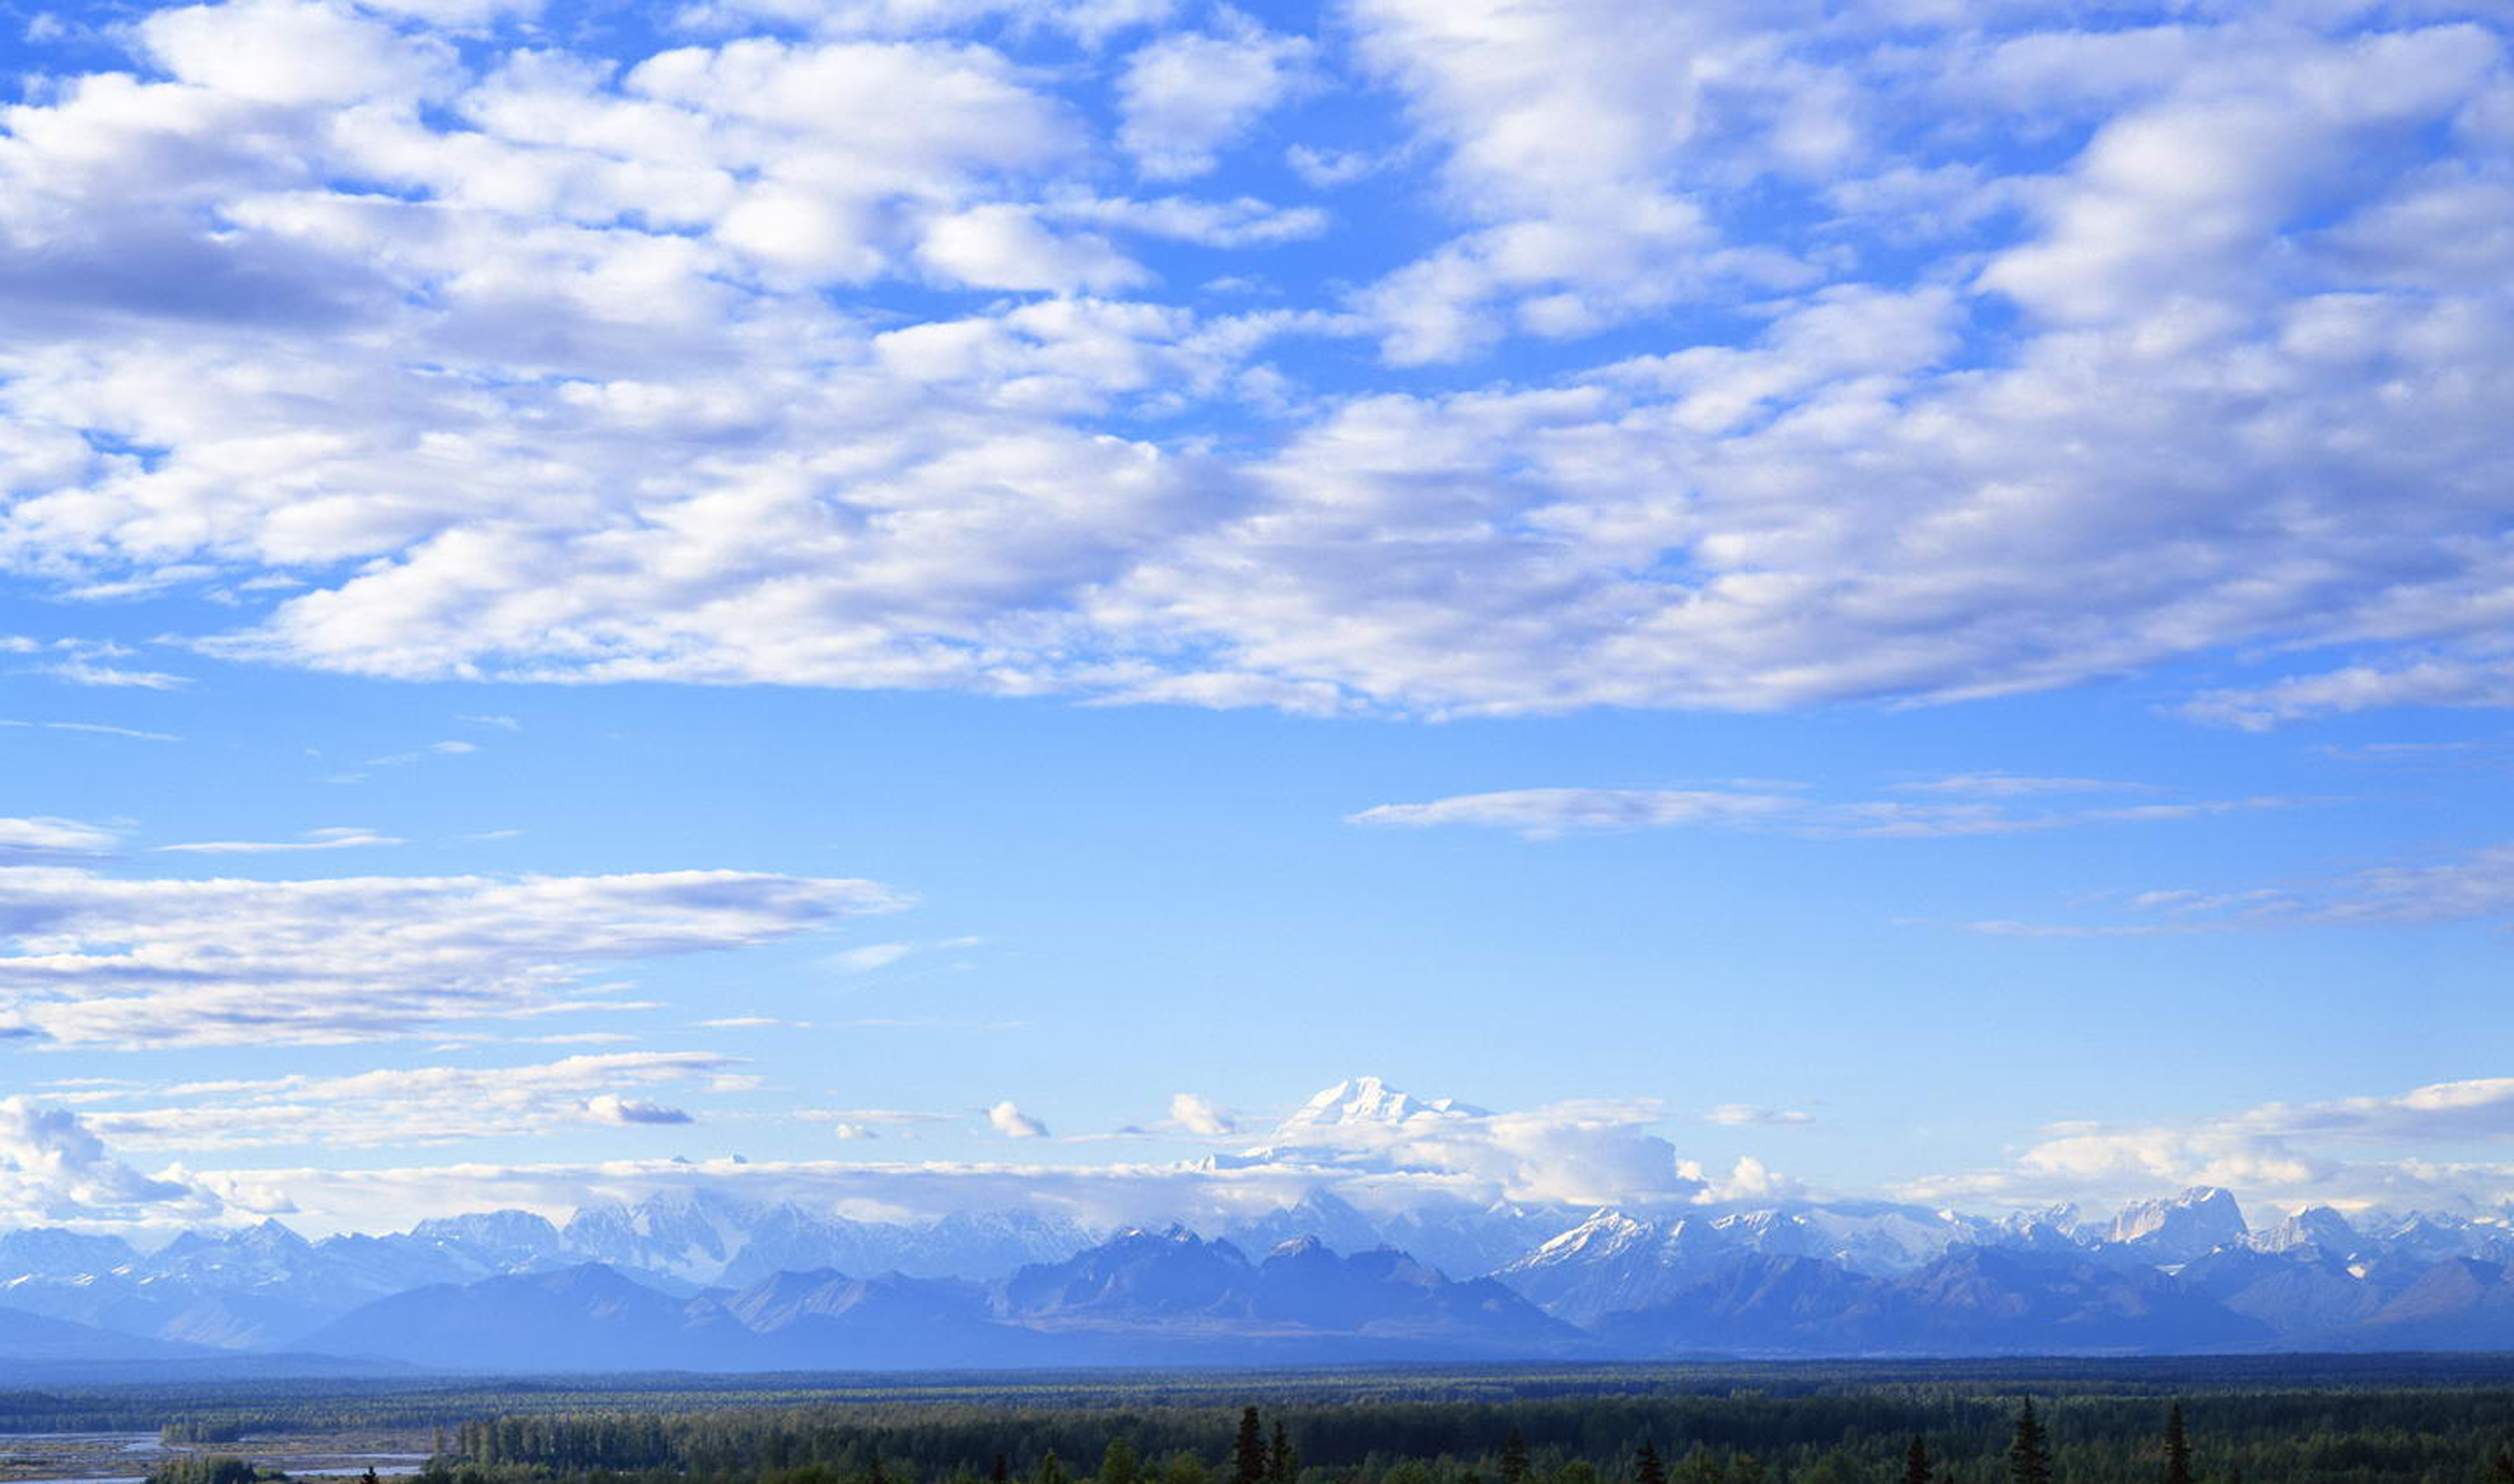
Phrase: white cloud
(54,1169)
(1327,169)
(288,53)
(1002,246)
(1748,1179)
(867,957)
(875,1117)
(1241,221)
(1736,1116)
(1593,1151)
(97,729)
(1184,98)
(55,839)
(1545,814)
(1202,1116)
(103,961)
(1577,1152)
(2441,682)
(333,837)
(411,1105)
(95,661)
(2014,785)
(1011,1122)
(2475,887)
(610,1108)
(691,369)
(2283,1153)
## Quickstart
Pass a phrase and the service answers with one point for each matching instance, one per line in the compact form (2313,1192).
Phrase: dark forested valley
(2365,1419)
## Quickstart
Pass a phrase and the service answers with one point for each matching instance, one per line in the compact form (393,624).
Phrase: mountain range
(702,1280)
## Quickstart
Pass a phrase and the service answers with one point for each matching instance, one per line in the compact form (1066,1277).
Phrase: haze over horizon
(949,605)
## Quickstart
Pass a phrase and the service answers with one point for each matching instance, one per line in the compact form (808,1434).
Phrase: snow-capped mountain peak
(1369,1101)
(2200,1219)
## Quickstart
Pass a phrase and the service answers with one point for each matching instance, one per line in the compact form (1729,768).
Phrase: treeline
(2303,1436)
(341,1404)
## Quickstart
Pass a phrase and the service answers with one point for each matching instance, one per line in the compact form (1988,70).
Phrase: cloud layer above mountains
(1456,358)
(1394,1157)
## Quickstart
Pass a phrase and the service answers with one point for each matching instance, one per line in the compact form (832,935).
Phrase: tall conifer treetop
(2029,1454)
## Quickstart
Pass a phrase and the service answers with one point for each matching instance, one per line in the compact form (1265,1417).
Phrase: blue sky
(969,601)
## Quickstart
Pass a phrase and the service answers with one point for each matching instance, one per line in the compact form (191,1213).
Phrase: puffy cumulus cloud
(826,357)
(1572,130)
(99,961)
(1202,1116)
(409,1106)
(1582,1152)
(610,1108)
(1010,1121)
(54,1168)
(286,52)
(1748,1179)
(2324,1151)
(1545,814)
(1183,98)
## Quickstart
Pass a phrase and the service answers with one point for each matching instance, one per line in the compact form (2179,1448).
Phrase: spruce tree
(1118,1463)
(1916,1463)
(2177,1448)
(1282,1460)
(1514,1458)
(2029,1454)
(1646,1468)
(1001,1473)
(1050,1471)
(1249,1453)
(2503,1470)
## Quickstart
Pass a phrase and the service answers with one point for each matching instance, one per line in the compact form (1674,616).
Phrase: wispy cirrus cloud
(412,1105)
(331,838)
(103,961)
(1542,814)
(97,729)
(48,838)
(2474,887)
(1737,1115)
